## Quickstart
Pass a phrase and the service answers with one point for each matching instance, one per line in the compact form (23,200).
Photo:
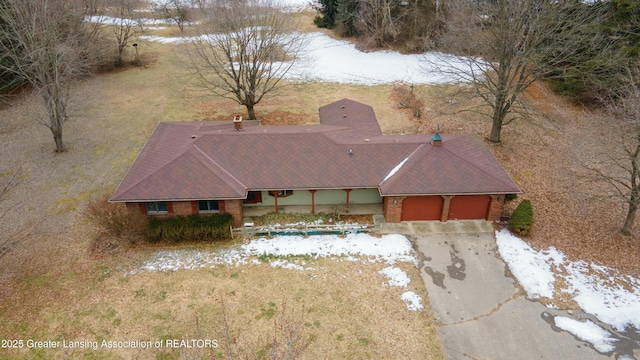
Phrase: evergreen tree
(327,17)
(582,60)
(8,78)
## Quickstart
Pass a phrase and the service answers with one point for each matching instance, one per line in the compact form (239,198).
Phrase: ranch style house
(345,162)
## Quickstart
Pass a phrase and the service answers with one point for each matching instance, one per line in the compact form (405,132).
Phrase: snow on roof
(610,296)
(395,169)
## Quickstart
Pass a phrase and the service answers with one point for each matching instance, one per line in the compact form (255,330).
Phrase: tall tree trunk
(57,113)
(57,138)
(634,196)
(496,127)
(251,112)
(631,215)
(501,105)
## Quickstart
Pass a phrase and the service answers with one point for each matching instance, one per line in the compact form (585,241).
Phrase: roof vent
(367,140)
(344,116)
(237,122)
(436,139)
(193,136)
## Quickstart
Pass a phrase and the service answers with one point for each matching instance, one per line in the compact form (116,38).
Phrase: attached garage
(422,208)
(468,207)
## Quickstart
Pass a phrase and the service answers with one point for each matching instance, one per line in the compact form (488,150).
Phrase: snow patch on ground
(388,248)
(355,247)
(531,268)
(413,301)
(329,60)
(610,296)
(587,331)
(396,276)
(286,265)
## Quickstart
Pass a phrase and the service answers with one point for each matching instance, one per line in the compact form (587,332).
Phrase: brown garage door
(422,208)
(468,207)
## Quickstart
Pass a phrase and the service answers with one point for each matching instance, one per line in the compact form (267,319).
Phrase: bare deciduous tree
(244,50)
(501,40)
(124,26)
(48,48)
(178,11)
(379,20)
(9,238)
(618,165)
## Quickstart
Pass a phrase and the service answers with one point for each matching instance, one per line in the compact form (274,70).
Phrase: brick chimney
(436,139)
(237,122)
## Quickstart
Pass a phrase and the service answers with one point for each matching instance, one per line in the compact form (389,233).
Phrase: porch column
(347,191)
(313,201)
(275,198)
(445,207)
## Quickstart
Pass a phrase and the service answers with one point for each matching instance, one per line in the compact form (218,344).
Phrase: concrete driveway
(481,311)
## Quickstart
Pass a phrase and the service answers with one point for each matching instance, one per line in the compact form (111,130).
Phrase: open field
(53,287)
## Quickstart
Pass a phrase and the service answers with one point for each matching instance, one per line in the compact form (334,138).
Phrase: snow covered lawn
(613,298)
(279,250)
(329,60)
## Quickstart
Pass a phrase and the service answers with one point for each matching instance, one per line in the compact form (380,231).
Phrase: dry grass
(340,316)
(58,284)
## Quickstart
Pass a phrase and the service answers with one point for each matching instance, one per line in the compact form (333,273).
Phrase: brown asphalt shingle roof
(195,160)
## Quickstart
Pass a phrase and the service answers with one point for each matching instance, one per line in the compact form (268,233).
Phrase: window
(205,206)
(281,193)
(157,207)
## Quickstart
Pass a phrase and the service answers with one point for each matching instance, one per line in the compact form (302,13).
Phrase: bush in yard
(522,219)
(193,227)
(407,99)
(115,219)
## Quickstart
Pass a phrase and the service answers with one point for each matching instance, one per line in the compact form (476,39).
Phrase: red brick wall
(392,206)
(234,207)
(495,208)
(182,208)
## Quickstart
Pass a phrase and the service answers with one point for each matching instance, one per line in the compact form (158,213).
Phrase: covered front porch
(339,201)
(354,209)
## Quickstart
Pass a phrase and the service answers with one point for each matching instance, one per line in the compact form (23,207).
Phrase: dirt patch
(281,117)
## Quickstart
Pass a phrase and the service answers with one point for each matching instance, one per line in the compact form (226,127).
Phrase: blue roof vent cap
(436,139)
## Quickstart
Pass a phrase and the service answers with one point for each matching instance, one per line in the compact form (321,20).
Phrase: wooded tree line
(579,44)
(413,25)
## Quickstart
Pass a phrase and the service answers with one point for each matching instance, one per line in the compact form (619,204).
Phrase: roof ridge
(213,166)
(409,162)
(148,144)
(480,168)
